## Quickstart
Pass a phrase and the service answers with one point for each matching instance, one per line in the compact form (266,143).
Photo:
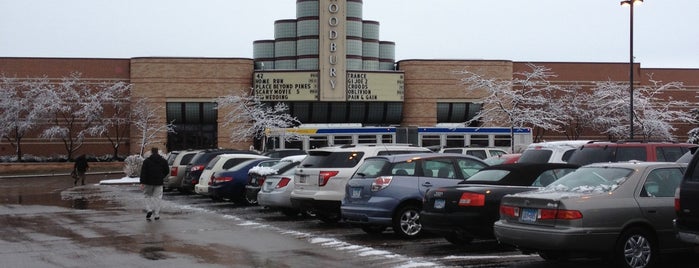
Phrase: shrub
(132,166)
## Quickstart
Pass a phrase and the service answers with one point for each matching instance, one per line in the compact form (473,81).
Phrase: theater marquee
(303,86)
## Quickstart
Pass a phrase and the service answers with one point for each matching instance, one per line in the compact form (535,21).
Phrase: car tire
(636,247)
(458,240)
(406,223)
(373,229)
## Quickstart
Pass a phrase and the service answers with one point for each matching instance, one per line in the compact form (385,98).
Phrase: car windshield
(591,180)
(489,175)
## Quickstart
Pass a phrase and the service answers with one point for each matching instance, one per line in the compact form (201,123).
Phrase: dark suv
(602,152)
(687,204)
(199,162)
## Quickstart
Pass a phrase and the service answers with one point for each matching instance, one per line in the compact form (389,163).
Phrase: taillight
(324,176)
(380,183)
(472,200)
(559,214)
(509,211)
(196,168)
(219,180)
(173,171)
(283,183)
(261,180)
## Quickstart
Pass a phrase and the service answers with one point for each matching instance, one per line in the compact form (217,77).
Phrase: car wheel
(406,223)
(552,255)
(458,240)
(636,247)
(373,229)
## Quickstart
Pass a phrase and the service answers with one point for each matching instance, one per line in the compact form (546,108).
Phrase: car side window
(440,168)
(469,167)
(662,182)
(668,154)
(404,169)
(477,153)
(631,153)
(546,178)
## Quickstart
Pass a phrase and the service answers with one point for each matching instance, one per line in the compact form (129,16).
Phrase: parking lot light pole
(631,3)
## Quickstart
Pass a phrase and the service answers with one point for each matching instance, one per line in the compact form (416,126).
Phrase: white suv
(481,153)
(319,181)
(550,152)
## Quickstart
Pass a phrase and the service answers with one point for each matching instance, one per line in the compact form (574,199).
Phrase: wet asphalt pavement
(47,222)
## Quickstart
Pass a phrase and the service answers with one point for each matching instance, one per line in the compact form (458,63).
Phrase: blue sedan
(230,184)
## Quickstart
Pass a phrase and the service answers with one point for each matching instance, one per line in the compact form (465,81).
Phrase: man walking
(153,172)
(80,168)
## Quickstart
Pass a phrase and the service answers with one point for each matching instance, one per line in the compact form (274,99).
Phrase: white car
(320,180)
(481,153)
(218,163)
(276,190)
(550,152)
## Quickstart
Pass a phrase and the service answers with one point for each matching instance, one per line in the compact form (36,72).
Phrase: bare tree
(19,113)
(251,118)
(116,122)
(652,114)
(147,121)
(522,101)
(75,109)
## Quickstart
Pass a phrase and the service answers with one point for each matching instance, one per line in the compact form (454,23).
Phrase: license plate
(302,178)
(439,203)
(356,192)
(528,215)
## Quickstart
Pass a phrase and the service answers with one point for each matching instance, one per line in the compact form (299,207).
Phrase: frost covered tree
(116,122)
(250,118)
(694,133)
(577,114)
(523,101)
(75,109)
(653,114)
(19,112)
(145,118)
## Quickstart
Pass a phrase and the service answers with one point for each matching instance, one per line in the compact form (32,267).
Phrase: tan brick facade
(427,82)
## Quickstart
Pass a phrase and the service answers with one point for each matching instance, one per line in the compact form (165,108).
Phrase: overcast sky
(666,32)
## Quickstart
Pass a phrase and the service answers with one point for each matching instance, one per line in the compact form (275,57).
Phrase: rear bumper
(549,238)
(465,224)
(325,207)
(685,234)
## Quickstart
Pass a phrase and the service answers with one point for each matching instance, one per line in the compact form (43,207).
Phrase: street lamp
(630,4)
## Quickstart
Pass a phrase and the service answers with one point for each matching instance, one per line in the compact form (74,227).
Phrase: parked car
(387,191)
(275,191)
(550,152)
(687,204)
(218,163)
(599,152)
(481,153)
(319,181)
(281,153)
(198,163)
(258,174)
(230,184)
(468,210)
(178,161)
(502,159)
(622,210)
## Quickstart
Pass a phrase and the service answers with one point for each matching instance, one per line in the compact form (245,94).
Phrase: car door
(656,200)
(438,172)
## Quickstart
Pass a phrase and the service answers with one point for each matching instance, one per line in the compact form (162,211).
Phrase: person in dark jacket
(153,172)
(80,168)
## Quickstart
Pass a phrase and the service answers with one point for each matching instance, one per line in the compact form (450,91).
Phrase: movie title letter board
(286,86)
(374,86)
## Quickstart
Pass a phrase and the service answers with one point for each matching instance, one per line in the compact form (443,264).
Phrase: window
(440,168)
(195,125)
(662,182)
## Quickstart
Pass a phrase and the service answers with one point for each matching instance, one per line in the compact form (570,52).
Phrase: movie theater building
(330,66)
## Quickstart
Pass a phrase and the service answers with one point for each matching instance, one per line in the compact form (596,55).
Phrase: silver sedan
(620,210)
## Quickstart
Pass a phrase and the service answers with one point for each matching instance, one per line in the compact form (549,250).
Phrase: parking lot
(49,223)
